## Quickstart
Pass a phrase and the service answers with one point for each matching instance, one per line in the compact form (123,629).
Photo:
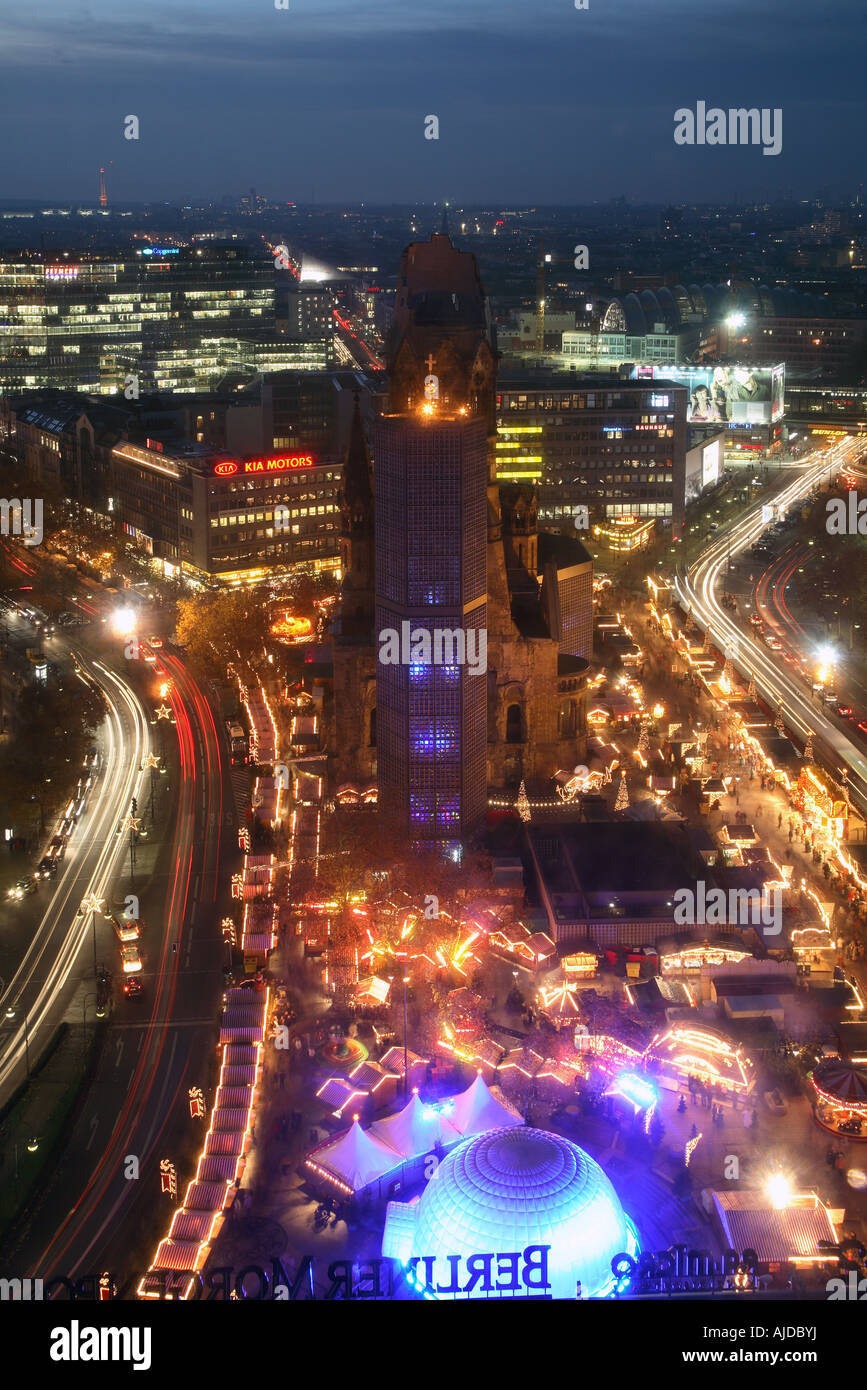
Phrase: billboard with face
(726,395)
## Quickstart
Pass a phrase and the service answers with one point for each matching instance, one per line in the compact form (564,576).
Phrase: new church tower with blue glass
(432,453)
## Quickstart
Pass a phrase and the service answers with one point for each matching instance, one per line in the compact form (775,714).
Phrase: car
(57,846)
(830,696)
(47,867)
(133,987)
(845,711)
(155,642)
(66,828)
(23,888)
(862,727)
(160,670)
(150,657)
(127,931)
(130,960)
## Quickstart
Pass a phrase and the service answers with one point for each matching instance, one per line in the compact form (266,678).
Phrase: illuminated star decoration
(132,823)
(163,712)
(150,761)
(91,904)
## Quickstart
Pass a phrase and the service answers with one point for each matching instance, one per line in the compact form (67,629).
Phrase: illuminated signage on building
(710,464)
(61,272)
(158,251)
(278,464)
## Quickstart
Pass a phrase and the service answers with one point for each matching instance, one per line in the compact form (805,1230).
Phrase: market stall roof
(416,1129)
(477,1109)
(357,1158)
(750,1222)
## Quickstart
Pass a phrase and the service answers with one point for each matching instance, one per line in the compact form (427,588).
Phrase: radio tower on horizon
(103,196)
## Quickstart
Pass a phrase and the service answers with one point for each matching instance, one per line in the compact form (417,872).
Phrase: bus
(238,745)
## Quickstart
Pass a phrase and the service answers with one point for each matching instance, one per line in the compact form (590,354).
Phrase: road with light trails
(60,952)
(95,1215)
(697,589)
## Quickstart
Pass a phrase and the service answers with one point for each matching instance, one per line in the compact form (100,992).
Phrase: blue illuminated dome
(501,1192)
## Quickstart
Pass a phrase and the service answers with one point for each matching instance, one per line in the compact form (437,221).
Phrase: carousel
(841,1097)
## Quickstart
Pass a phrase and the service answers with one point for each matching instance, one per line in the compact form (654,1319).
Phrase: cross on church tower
(431,382)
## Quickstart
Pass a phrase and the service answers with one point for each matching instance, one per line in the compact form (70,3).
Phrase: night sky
(538,102)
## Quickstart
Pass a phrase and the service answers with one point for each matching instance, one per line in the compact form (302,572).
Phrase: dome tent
(500,1193)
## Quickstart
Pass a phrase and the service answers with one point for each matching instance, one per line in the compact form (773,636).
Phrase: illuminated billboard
(726,395)
(278,463)
(710,464)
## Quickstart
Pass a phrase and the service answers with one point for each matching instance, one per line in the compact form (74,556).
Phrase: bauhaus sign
(278,463)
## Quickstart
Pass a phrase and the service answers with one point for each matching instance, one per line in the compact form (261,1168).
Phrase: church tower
(357,539)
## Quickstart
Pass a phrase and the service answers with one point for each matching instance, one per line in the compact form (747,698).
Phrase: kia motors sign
(279,463)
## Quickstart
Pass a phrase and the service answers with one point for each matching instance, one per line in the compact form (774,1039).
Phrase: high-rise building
(174,317)
(431,458)
(459,651)
(431,537)
(617,448)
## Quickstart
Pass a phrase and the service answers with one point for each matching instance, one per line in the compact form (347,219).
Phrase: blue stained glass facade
(431,538)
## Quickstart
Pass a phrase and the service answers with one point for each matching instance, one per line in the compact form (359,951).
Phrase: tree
(656,1133)
(219,628)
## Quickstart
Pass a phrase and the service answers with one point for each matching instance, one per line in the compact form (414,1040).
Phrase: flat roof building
(616,448)
(202,513)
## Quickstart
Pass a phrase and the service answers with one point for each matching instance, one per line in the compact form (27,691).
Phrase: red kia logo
(225,470)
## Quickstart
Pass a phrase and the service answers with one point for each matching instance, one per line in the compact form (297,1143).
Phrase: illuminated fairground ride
(289,628)
(683,1051)
(841,1098)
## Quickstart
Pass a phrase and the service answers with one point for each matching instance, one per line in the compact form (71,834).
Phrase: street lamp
(132,823)
(153,763)
(10,1014)
(32,1145)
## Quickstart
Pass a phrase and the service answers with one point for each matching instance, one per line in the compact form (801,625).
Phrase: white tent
(357,1158)
(416,1129)
(477,1110)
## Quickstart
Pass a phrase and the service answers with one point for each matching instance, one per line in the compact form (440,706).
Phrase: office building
(615,447)
(211,517)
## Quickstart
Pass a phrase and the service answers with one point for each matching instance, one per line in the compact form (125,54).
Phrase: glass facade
(431,531)
(177,318)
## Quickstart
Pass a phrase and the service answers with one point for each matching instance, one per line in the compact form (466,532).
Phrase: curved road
(137,1106)
(697,589)
(56,958)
